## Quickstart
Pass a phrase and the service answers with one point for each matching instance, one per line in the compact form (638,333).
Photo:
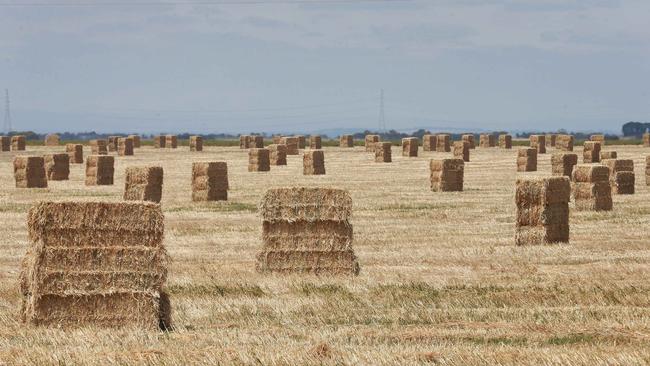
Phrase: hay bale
(244,141)
(469,138)
(75,152)
(313,162)
(98,147)
(563,163)
(486,140)
(124,146)
(551,139)
(112,143)
(409,146)
(29,172)
(277,154)
(277,139)
(446,175)
(564,142)
(171,141)
(256,142)
(443,144)
(210,181)
(608,155)
(99,170)
(302,141)
(95,263)
(5,143)
(196,143)
(538,142)
(136,141)
(307,230)
(598,138)
(505,141)
(429,142)
(383,152)
(52,140)
(292,145)
(315,142)
(143,183)
(18,143)
(621,175)
(542,215)
(346,141)
(159,141)
(461,150)
(591,152)
(259,160)
(527,159)
(370,142)
(646,139)
(591,187)
(57,166)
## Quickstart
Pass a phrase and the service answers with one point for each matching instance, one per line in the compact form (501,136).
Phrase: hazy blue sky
(300,66)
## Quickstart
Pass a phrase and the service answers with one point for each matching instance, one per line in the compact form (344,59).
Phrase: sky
(228,66)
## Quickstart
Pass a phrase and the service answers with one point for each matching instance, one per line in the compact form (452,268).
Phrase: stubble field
(441,280)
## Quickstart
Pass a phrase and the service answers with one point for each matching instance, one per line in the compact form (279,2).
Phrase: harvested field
(441,279)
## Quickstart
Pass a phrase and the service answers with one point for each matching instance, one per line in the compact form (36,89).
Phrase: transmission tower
(7,125)
(382,117)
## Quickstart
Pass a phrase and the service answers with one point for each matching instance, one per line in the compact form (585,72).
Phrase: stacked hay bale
(446,175)
(621,175)
(52,140)
(159,141)
(608,155)
(429,142)
(551,139)
(292,145)
(112,143)
(542,211)
(277,154)
(98,147)
(171,141)
(99,170)
(256,142)
(313,162)
(95,263)
(136,141)
(5,143)
(196,143)
(18,143)
(538,142)
(591,188)
(564,142)
(143,183)
(383,152)
(244,141)
(591,152)
(29,172)
(409,146)
(302,141)
(598,138)
(443,144)
(527,159)
(125,146)
(259,160)
(277,139)
(646,139)
(307,230)
(563,163)
(210,181)
(75,152)
(346,141)
(469,138)
(57,166)
(487,140)
(315,142)
(461,150)
(371,140)
(505,141)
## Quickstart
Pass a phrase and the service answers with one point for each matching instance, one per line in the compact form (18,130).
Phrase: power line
(7,124)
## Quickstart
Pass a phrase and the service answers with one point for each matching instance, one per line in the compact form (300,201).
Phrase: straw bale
(277,154)
(244,141)
(125,146)
(277,139)
(210,181)
(563,163)
(591,152)
(591,187)
(136,141)
(409,146)
(621,175)
(171,141)
(305,204)
(143,183)
(370,142)
(505,141)
(18,143)
(551,139)
(5,143)
(538,142)
(527,159)
(607,155)
(98,147)
(75,152)
(564,142)
(306,235)
(292,145)
(57,166)
(443,144)
(598,138)
(29,172)
(429,142)
(112,143)
(470,139)
(99,170)
(79,271)
(346,141)
(446,175)
(256,142)
(302,141)
(313,162)
(52,140)
(159,141)
(315,142)
(383,152)
(646,139)
(259,160)
(196,143)
(590,173)
(542,215)
(461,150)
(487,140)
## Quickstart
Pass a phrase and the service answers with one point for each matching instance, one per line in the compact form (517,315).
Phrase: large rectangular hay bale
(429,142)
(18,143)
(292,145)
(99,170)
(469,138)
(244,141)
(598,138)
(591,188)
(136,141)
(564,142)
(171,141)
(591,152)
(608,155)
(57,166)
(563,163)
(527,159)
(409,146)
(52,140)
(112,143)
(446,175)
(370,142)
(551,138)
(75,153)
(302,141)
(313,162)
(461,150)
(315,142)
(346,141)
(505,141)
(143,183)
(5,143)
(277,154)
(98,147)
(383,152)
(259,160)
(196,143)
(542,215)
(210,181)
(486,140)
(621,175)
(29,172)
(443,144)
(125,146)
(256,142)
(538,142)
(159,141)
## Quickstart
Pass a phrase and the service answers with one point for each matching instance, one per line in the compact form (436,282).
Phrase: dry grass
(441,280)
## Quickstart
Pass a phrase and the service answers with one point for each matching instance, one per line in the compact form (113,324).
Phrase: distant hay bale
(443,143)
(313,162)
(196,143)
(99,170)
(57,166)
(210,181)
(429,142)
(591,187)
(244,141)
(277,154)
(125,146)
(591,152)
(646,139)
(409,146)
(302,141)
(564,142)
(370,142)
(259,160)
(598,138)
(143,183)
(551,138)
(99,147)
(52,140)
(159,141)
(5,143)
(621,175)
(527,159)
(277,139)
(446,175)
(29,172)
(383,152)
(315,142)
(542,215)
(75,152)
(95,263)
(607,155)
(563,163)
(307,230)
(461,150)
(18,143)
(171,141)
(505,141)
(469,138)
(486,140)
(292,145)
(112,143)
(256,142)
(136,141)
(346,141)
(538,142)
